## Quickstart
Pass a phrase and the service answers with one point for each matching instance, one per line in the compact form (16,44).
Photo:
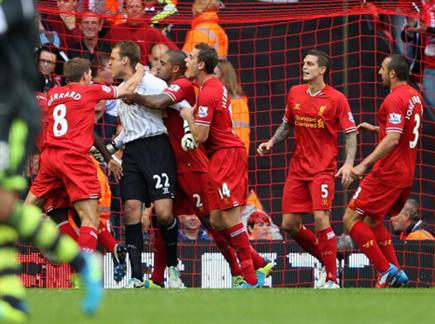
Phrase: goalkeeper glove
(97,155)
(188,141)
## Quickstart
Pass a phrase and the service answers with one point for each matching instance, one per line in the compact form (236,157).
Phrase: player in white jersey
(148,163)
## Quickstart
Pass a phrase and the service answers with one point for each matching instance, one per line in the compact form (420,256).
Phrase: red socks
(158,275)
(366,240)
(66,228)
(240,242)
(308,241)
(226,250)
(257,260)
(105,238)
(328,247)
(88,238)
(383,237)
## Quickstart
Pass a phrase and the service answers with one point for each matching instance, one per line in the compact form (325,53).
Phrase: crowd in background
(89,29)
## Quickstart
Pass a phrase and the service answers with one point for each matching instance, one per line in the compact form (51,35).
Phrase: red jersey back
(213,109)
(400,112)
(41,99)
(192,160)
(317,120)
(71,115)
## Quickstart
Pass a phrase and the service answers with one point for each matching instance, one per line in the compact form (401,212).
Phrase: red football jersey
(213,109)
(317,120)
(41,99)
(192,160)
(400,112)
(71,115)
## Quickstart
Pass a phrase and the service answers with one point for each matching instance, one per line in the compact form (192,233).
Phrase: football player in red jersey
(192,165)
(385,189)
(65,161)
(317,112)
(210,124)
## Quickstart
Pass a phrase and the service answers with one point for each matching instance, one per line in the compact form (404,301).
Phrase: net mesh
(267,41)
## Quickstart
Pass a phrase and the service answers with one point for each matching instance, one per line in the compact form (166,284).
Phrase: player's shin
(308,241)
(366,241)
(328,247)
(158,275)
(383,237)
(66,229)
(43,233)
(169,235)
(134,239)
(106,238)
(226,250)
(11,289)
(240,242)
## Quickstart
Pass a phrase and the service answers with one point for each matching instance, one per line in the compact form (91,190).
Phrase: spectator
(49,61)
(206,28)
(259,226)
(239,102)
(90,45)
(137,30)
(49,38)
(157,50)
(169,7)
(426,26)
(64,22)
(192,230)
(413,53)
(254,205)
(409,225)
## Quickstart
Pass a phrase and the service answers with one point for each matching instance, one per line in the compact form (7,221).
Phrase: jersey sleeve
(176,92)
(395,116)
(180,105)
(345,116)
(288,114)
(204,108)
(101,92)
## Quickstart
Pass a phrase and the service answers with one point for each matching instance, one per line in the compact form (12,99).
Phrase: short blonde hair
(201,6)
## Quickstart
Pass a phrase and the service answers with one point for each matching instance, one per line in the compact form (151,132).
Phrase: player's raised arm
(131,84)
(282,132)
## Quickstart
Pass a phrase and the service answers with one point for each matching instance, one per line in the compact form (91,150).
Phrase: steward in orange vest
(206,28)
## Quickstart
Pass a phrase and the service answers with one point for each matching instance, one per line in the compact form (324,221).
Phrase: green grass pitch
(128,306)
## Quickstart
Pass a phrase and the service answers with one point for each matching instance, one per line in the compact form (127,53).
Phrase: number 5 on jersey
(60,125)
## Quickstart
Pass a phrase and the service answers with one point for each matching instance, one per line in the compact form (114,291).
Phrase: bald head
(156,52)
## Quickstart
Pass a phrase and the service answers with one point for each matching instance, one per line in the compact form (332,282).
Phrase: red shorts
(228,185)
(374,199)
(191,196)
(305,196)
(69,171)
(58,199)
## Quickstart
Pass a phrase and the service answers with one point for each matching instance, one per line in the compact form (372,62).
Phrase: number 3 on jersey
(60,125)
(415,131)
